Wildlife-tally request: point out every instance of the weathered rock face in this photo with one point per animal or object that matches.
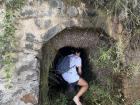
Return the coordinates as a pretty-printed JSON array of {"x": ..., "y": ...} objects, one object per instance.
[
  {"x": 39, "y": 21},
  {"x": 2, "y": 14},
  {"x": 25, "y": 82},
  {"x": 131, "y": 86}
]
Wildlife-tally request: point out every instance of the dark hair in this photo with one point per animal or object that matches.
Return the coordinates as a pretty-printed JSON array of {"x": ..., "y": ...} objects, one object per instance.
[
  {"x": 72, "y": 51},
  {"x": 77, "y": 50}
]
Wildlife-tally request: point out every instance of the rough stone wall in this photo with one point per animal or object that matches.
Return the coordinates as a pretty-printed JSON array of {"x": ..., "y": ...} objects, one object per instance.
[
  {"x": 39, "y": 21},
  {"x": 83, "y": 38},
  {"x": 2, "y": 11},
  {"x": 131, "y": 86},
  {"x": 2, "y": 78}
]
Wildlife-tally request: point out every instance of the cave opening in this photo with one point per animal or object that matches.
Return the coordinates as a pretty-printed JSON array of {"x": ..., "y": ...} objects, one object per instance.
[
  {"x": 56, "y": 83},
  {"x": 89, "y": 41}
]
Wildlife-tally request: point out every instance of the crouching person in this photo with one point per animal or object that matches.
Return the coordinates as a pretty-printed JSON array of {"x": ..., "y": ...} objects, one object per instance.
[{"x": 73, "y": 75}]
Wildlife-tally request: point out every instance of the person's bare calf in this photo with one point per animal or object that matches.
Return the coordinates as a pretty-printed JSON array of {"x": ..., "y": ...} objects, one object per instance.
[{"x": 83, "y": 89}]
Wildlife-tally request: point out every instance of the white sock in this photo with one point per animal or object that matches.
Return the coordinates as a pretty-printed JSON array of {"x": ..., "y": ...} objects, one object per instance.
[{"x": 76, "y": 100}]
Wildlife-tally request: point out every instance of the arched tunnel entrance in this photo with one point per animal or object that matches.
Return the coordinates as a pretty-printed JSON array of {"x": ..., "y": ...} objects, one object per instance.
[
  {"x": 89, "y": 41},
  {"x": 56, "y": 83}
]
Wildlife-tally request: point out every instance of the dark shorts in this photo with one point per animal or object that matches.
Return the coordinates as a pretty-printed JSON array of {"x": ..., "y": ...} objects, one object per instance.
[{"x": 72, "y": 86}]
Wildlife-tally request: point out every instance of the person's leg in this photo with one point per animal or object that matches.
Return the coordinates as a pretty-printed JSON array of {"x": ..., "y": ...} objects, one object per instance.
[{"x": 83, "y": 89}]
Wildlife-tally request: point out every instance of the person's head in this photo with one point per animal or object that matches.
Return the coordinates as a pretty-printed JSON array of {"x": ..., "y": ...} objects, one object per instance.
[{"x": 77, "y": 51}]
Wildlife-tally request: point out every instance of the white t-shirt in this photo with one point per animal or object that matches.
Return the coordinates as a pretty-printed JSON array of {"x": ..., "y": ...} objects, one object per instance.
[{"x": 71, "y": 75}]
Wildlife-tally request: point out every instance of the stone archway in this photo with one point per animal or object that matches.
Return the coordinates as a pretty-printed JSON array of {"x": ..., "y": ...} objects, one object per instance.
[{"x": 86, "y": 39}]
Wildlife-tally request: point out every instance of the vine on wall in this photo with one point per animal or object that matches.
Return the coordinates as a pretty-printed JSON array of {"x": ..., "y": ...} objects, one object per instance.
[{"x": 7, "y": 39}]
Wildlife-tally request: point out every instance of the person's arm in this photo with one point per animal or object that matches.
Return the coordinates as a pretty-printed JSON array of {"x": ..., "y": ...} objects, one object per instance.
[
  {"x": 79, "y": 65},
  {"x": 80, "y": 70}
]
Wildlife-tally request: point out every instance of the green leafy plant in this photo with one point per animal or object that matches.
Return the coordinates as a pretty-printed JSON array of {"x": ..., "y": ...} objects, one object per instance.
[
  {"x": 58, "y": 100},
  {"x": 14, "y": 4},
  {"x": 8, "y": 40},
  {"x": 137, "y": 102},
  {"x": 97, "y": 95},
  {"x": 72, "y": 2},
  {"x": 7, "y": 45},
  {"x": 105, "y": 58}
]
